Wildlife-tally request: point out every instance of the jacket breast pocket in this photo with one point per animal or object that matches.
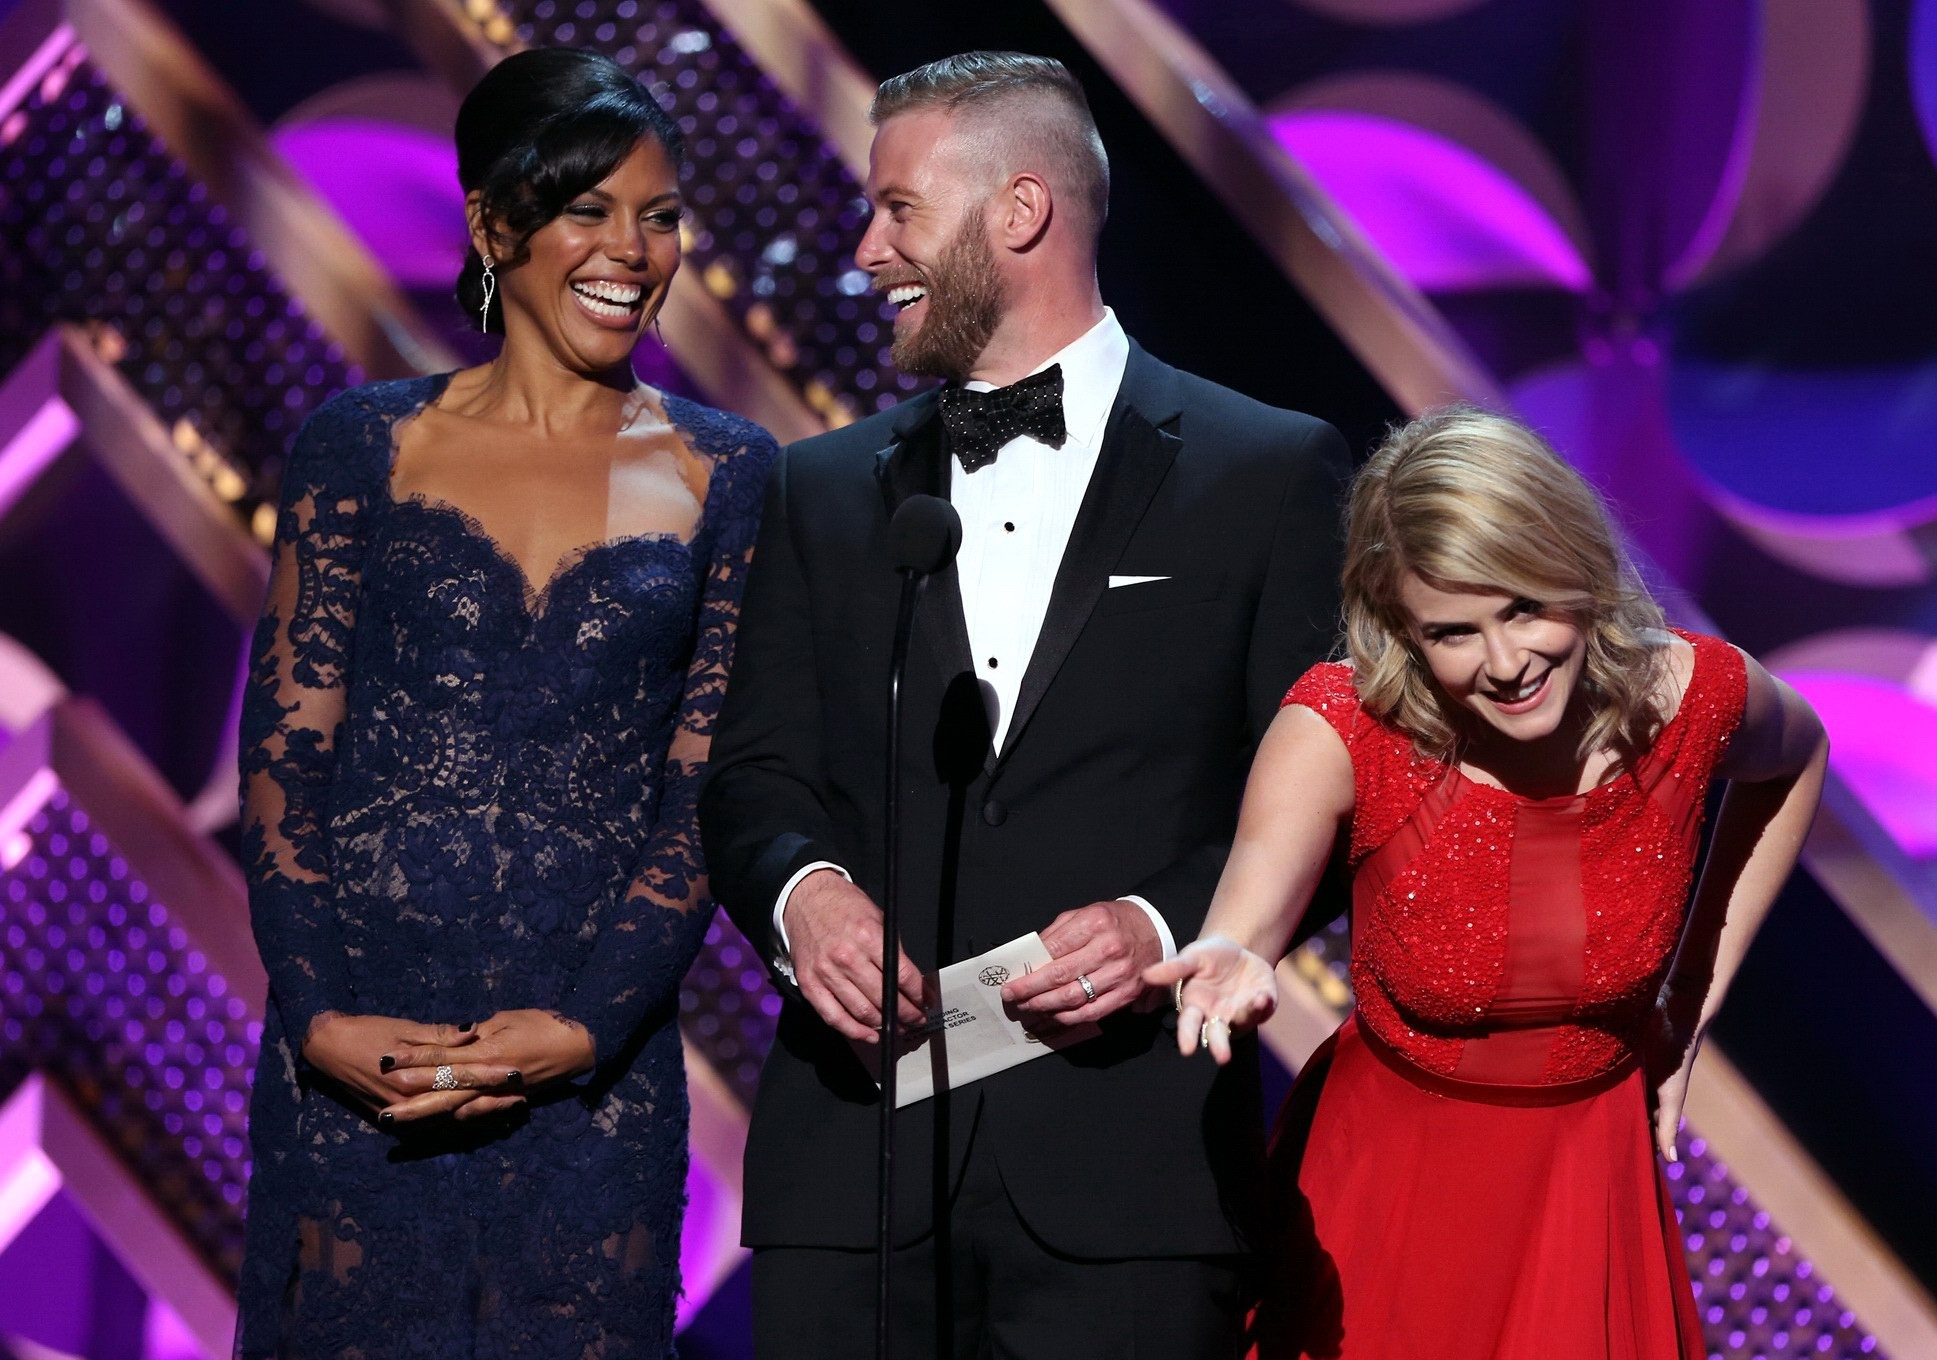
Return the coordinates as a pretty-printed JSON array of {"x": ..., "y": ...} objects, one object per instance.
[{"x": 1171, "y": 592}]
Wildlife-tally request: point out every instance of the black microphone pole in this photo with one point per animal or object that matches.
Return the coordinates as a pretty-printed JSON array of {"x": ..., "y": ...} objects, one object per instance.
[{"x": 922, "y": 538}]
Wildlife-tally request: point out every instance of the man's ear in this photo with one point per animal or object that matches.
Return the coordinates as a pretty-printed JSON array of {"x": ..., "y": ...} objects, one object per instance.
[{"x": 1026, "y": 207}]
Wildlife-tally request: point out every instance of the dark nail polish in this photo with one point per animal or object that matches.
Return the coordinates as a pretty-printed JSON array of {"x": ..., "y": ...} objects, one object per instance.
[
  {"x": 386, "y": 1119},
  {"x": 514, "y": 1078},
  {"x": 385, "y": 1063},
  {"x": 467, "y": 1027}
]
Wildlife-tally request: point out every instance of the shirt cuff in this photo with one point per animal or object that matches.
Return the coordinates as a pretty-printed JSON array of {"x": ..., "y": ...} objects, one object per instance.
[
  {"x": 1156, "y": 919},
  {"x": 783, "y": 959}
]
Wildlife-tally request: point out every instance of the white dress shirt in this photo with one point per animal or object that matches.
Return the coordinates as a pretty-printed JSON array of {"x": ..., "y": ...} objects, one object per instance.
[{"x": 1017, "y": 513}]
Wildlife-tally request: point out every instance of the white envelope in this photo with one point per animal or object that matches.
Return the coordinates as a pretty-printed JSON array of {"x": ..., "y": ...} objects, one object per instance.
[{"x": 967, "y": 1036}]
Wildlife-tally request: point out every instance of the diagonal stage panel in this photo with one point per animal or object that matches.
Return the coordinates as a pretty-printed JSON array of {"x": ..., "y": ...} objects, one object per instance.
[
  {"x": 63, "y": 399},
  {"x": 1396, "y": 333},
  {"x": 102, "y": 225},
  {"x": 127, "y": 972},
  {"x": 189, "y": 109},
  {"x": 47, "y": 1148},
  {"x": 1891, "y": 898}
]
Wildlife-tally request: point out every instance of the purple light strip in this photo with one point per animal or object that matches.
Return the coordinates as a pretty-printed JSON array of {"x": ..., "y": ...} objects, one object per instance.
[
  {"x": 47, "y": 434},
  {"x": 30, "y": 72}
]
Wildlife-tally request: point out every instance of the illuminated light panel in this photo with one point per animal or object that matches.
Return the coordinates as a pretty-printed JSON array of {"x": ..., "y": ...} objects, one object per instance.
[
  {"x": 1448, "y": 219},
  {"x": 104, "y": 227},
  {"x": 47, "y": 1147},
  {"x": 1885, "y": 738},
  {"x": 103, "y": 987}
]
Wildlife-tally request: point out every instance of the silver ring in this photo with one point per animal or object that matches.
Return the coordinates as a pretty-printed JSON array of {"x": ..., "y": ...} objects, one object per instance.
[
  {"x": 1204, "y": 1029},
  {"x": 1083, "y": 981},
  {"x": 445, "y": 1079}
]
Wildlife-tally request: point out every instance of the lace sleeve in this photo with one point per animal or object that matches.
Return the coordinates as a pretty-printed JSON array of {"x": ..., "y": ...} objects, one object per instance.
[
  {"x": 292, "y": 716},
  {"x": 635, "y": 968}
]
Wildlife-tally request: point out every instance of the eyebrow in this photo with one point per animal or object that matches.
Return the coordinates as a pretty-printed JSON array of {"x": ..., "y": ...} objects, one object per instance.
[
  {"x": 888, "y": 191},
  {"x": 671, "y": 195},
  {"x": 1504, "y": 611}
]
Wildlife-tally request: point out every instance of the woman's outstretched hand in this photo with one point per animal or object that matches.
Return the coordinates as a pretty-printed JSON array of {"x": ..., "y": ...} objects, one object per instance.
[
  {"x": 349, "y": 1050},
  {"x": 503, "y": 1058},
  {"x": 1219, "y": 987}
]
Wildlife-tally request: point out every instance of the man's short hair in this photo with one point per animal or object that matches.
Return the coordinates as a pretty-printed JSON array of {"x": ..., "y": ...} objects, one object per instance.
[{"x": 1050, "y": 114}]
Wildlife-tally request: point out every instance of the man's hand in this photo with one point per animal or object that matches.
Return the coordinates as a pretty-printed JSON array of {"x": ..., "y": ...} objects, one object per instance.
[
  {"x": 1107, "y": 943},
  {"x": 834, "y": 936},
  {"x": 349, "y": 1050},
  {"x": 506, "y": 1056}
]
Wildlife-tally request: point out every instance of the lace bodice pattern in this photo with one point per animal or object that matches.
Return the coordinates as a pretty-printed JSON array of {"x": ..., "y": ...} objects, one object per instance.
[
  {"x": 464, "y": 793},
  {"x": 1521, "y": 941}
]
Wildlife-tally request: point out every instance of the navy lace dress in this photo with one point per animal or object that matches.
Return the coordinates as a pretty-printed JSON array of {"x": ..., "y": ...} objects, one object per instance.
[{"x": 463, "y": 794}]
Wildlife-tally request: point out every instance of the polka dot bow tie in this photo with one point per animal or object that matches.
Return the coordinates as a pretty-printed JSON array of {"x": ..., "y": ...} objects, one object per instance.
[{"x": 978, "y": 424}]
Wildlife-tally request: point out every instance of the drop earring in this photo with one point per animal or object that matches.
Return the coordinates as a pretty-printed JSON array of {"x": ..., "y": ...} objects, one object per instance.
[{"x": 490, "y": 289}]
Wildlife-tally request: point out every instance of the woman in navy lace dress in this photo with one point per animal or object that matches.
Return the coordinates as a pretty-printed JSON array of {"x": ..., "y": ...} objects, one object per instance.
[{"x": 497, "y": 633}]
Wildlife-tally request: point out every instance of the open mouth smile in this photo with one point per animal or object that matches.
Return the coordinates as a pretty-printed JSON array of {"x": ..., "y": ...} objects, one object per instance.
[
  {"x": 906, "y": 295},
  {"x": 610, "y": 302},
  {"x": 1522, "y": 697}
]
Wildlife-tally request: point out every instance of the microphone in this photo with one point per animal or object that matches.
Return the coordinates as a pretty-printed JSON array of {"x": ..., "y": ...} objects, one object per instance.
[
  {"x": 924, "y": 535},
  {"x": 923, "y": 538}
]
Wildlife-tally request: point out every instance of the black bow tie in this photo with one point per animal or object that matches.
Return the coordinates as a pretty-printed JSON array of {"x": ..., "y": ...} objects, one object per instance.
[{"x": 978, "y": 424}]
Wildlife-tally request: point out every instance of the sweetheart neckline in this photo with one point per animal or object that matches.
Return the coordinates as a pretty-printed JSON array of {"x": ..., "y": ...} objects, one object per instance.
[{"x": 536, "y": 598}]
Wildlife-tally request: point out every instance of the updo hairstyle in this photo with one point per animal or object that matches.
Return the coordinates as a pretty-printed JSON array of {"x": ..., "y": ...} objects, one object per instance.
[
  {"x": 540, "y": 128},
  {"x": 1473, "y": 501}
]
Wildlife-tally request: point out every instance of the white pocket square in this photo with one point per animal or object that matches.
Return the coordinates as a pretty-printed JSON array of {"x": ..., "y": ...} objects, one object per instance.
[{"x": 1116, "y": 581}]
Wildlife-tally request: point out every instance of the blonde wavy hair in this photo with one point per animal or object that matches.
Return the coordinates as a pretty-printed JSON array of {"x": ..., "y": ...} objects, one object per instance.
[{"x": 1474, "y": 501}]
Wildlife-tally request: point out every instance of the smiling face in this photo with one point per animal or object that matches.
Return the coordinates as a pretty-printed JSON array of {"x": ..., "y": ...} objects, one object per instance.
[
  {"x": 928, "y": 246},
  {"x": 595, "y": 276},
  {"x": 1504, "y": 659}
]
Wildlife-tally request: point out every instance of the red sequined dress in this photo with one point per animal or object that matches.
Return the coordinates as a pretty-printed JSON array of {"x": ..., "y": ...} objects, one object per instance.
[{"x": 1466, "y": 1171}]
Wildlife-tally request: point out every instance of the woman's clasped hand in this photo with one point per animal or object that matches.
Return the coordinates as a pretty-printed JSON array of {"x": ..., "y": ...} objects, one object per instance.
[{"x": 398, "y": 1068}]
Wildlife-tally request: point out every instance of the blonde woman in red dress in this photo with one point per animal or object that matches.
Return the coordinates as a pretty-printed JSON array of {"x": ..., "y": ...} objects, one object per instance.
[{"x": 1516, "y": 756}]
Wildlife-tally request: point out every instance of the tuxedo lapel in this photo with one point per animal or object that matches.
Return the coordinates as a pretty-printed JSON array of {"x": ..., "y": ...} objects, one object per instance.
[
  {"x": 1139, "y": 445},
  {"x": 912, "y": 465}
]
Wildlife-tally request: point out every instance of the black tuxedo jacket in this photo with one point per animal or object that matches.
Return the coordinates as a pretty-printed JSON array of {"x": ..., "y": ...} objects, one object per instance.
[{"x": 1126, "y": 756}]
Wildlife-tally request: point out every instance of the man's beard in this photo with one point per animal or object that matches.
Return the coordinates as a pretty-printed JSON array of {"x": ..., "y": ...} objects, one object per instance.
[{"x": 965, "y": 305}]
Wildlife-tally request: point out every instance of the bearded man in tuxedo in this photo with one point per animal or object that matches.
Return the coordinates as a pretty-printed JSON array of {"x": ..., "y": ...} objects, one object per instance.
[{"x": 1148, "y": 560}]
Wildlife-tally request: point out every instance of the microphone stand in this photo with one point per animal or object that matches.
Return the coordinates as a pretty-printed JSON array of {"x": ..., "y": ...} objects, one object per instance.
[{"x": 911, "y": 584}]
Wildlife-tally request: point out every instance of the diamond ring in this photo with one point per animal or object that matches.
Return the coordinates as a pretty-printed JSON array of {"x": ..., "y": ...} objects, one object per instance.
[
  {"x": 445, "y": 1079},
  {"x": 1089, "y": 989}
]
